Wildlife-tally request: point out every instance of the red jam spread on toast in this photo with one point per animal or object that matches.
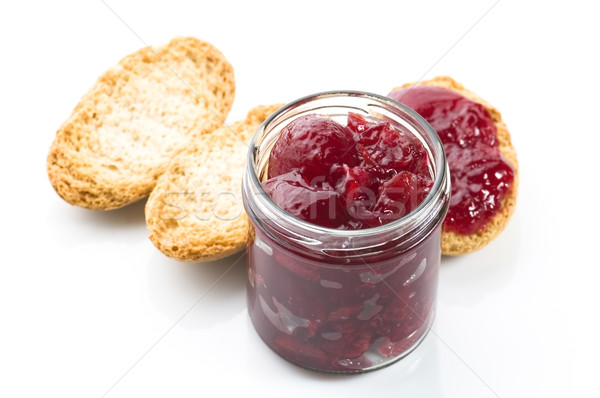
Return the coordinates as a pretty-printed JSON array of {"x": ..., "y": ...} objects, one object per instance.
[{"x": 480, "y": 176}]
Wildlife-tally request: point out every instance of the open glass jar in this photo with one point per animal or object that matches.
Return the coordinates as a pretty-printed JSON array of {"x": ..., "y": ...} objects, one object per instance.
[{"x": 334, "y": 300}]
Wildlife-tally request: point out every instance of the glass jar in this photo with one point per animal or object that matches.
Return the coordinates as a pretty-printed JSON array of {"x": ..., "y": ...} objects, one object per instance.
[{"x": 343, "y": 301}]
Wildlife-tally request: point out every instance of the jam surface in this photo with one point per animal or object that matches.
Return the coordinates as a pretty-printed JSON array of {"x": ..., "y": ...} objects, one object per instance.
[
  {"x": 480, "y": 176},
  {"x": 361, "y": 175}
]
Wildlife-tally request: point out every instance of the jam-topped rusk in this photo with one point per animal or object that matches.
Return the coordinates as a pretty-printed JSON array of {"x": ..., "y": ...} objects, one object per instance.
[{"x": 482, "y": 161}]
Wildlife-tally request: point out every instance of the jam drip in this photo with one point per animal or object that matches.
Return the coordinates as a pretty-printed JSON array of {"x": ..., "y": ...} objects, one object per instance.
[
  {"x": 361, "y": 175},
  {"x": 480, "y": 176}
]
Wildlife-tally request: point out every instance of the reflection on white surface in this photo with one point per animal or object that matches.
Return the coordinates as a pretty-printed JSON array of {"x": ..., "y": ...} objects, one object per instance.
[
  {"x": 416, "y": 375},
  {"x": 467, "y": 280},
  {"x": 210, "y": 302},
  {"x": 79, "y": 227}
]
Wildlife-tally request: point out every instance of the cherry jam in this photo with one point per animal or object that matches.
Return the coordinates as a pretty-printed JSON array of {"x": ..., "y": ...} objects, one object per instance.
[
  {"x": 361, "y": 175},
  {"x": 340, "y": 295},
  {"x": 480, "y": 175}
]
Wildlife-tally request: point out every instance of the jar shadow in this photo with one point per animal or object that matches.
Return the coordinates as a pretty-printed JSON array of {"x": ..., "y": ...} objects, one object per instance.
[
  {"x": 76, "y": 226},
  {"x": 204, "y": 294},
  {"x": 466, "y": 280}
]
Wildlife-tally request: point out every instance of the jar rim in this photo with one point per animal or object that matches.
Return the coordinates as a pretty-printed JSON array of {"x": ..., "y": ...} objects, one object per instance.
[{"x": 441, "y": 172}]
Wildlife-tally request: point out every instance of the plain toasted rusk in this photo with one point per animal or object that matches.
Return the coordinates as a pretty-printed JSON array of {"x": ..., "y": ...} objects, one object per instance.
[
  {"x": 195, "y": 213},
  {"x": 455, "y": 244},
  {"x": 135, "y": 119}
]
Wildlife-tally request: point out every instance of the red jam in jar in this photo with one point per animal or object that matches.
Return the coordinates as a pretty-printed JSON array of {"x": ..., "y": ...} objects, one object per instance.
[
  {"x": 480, "y": 175},
  {"x": 361, "y": 175},
  {"x": 333, "y": 285}
]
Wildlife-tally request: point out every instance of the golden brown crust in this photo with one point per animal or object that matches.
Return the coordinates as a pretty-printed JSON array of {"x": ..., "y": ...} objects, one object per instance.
[
  {"x": 137, "y": 116},
  {"x": 455, "y": 244},
  {"x": 195, "y": 213}
]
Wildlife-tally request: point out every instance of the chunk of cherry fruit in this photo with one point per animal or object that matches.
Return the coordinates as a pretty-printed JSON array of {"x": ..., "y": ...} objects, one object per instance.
[{"x": 361, "y": 175}]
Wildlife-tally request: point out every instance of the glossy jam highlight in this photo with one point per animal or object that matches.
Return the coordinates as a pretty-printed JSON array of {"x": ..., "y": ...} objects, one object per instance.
[{"x": 480, "y": 176}]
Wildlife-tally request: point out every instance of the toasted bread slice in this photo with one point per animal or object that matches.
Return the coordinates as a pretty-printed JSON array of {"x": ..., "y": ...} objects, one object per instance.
[
  {"x": 195, "y": 213},
  {"x": 454, "y": 243},
  {"x": 135, "y": 119}
]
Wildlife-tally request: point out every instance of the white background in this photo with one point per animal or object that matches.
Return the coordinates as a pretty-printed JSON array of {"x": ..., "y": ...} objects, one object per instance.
[{"x": 89, "y": 308}]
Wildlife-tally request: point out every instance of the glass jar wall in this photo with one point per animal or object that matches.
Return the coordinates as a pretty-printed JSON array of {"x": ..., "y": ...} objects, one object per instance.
[{"x": 343, "y": 300}]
